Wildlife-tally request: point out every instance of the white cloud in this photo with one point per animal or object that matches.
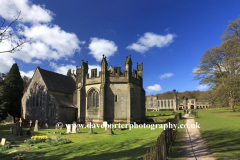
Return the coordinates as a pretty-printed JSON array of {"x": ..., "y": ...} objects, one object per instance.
[
  {"x": 62, "y": 69},
  {"x": 28, "y": 74},
  {"x": 154, "y": 88},
  {"x": 201, "y": 87},
  {"x": 73, "y": 61},
  {"x": 48, "y": 41},
  {"x": 166, "y": 75},
  {"x": 98, "y": 47},
  {"x": 151, "y": 40},
  {"x": 29, "y": 12},
  {"x": 6, "y": 62}
]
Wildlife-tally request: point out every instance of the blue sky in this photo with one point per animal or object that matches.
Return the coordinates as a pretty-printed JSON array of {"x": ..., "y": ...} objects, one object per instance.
[{"x": 169, "y": 37}]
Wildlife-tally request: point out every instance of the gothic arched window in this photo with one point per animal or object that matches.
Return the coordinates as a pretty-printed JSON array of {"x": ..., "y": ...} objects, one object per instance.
[
  {"x": 36, "y": 92},
  {"x": 93, "y": 99}
]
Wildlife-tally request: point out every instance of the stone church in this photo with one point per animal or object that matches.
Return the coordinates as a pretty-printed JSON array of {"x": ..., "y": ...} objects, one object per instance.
[{"x": 113, "y": 96}]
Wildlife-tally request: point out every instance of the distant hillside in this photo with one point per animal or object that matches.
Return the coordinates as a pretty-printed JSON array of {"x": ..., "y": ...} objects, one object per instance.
[{"x": 200, "y": 95}]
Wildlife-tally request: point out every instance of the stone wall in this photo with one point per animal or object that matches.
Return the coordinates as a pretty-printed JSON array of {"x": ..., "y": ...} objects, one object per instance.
[
  {"x": 67, "y": 115},
  {"x": 30, "y": 111}
]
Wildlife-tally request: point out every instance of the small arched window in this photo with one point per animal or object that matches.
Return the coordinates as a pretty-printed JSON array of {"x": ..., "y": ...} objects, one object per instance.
[{"x": 93, "y": 99}]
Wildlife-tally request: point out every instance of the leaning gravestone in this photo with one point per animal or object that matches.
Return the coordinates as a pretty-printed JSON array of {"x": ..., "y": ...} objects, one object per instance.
[
  {"x": 69, "y": 128},
  {"x": 17, "y": 128},
  {"x": 11, "y": 130},
  {"x": 3, "y": 141},
  {"x": 36, "y": 126}
]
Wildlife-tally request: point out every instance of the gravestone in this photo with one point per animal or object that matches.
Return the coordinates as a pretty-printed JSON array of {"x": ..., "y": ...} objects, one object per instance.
[
  {"x": 91, "y": 130},
  {"x": 3, "y": 141},
  {"x": 56, "y": 127},
  {"x": 28, "y": 133},
  {"x": 5, "y": 122},
  {"x": 105, "y": 124},
  {"x": 17, "y": 128},
  {"x": 11, "y": 130},
  {"x": 46, "y": 125},
  {"x": 30, "y": 127},
  {"x": 40, "y": 123},
  {"x": 20, "y": 121},
  {"x": 74, "y": 128},
  {"x": 36, "y": 126},
  {"x": 110, "y": 132},
  {"x": 68, "y": 128}
]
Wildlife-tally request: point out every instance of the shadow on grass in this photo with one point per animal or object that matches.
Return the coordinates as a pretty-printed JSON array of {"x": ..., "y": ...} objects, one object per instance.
[
  {"x": 98, "y": 155},
  {"x": 219, "y": 141}
]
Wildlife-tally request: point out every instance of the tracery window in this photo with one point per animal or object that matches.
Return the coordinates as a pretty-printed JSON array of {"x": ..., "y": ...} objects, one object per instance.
[
  {"x": 93, "y": 99},
  {"x": 36, "y": 94}
]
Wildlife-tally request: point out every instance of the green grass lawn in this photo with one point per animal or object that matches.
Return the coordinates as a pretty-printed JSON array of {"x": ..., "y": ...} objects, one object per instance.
[
  {"x": 123, "y": 145},
  {"x": 160, "y": 114},
  {"x": 177, "y": 151},
  {"x": 220, "y": 130}
]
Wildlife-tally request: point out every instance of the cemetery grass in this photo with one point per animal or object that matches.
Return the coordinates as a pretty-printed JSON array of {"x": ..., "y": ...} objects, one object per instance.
[
  {"x": 220, "y": 130},
  {"x": 123, "y": 145}
]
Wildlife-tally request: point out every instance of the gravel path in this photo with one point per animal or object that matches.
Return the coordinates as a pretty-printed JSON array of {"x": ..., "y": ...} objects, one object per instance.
[{"x": 195, "y": 147}]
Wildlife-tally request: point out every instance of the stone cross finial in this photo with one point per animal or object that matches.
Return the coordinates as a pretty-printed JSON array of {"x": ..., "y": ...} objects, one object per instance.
[
  {"x": 20, "y": 122},
  {"x": 103, "y": 55},
  {"x": 126, "y": 57}
]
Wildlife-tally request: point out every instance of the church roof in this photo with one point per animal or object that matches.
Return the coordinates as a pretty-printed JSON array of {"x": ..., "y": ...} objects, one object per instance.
[
  {"x": 58, "y": 82},
  {"x": 63, "y": 100}
]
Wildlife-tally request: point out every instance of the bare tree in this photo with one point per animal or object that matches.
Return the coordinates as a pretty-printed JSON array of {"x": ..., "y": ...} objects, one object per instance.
[{"x": 6, "y": 33}]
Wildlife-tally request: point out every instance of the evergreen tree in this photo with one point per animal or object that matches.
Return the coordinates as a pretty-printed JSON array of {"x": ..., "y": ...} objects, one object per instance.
[
  {"x": 4, "y": 101},
  {"x": 69, "y": 73},
  {"x": 14, "y": 82}
]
